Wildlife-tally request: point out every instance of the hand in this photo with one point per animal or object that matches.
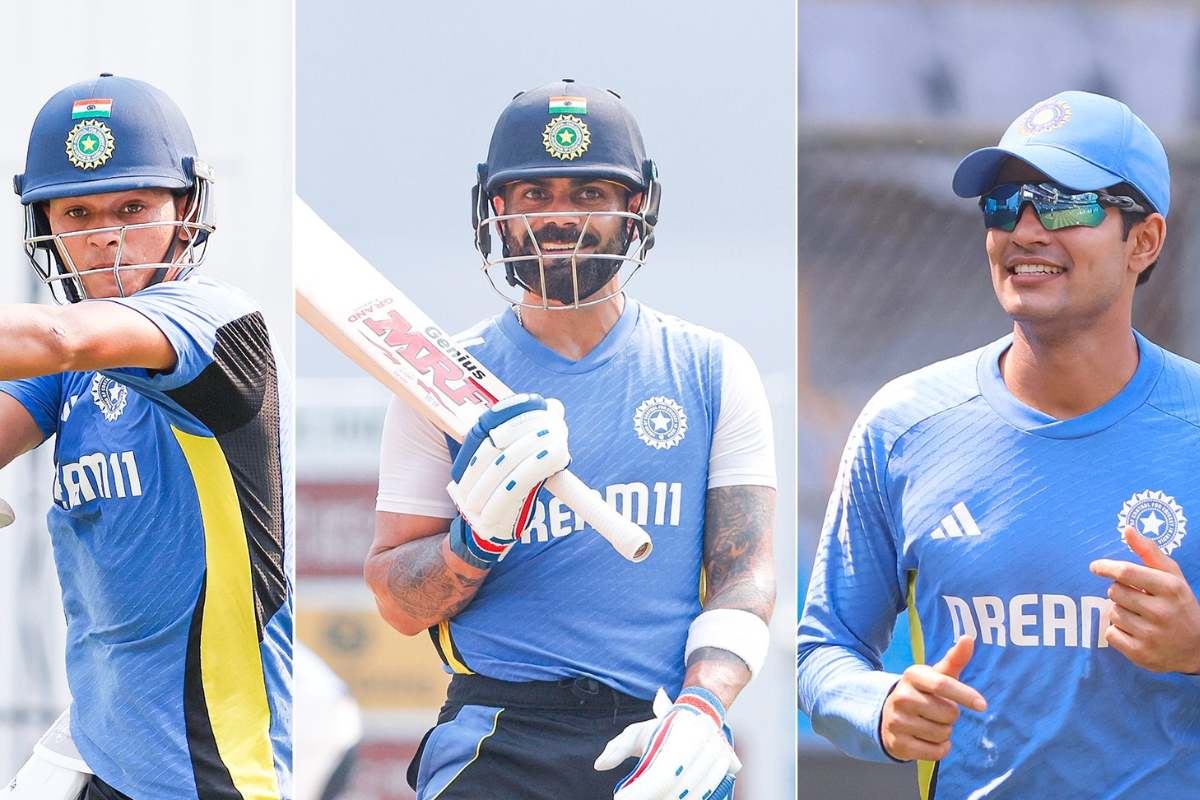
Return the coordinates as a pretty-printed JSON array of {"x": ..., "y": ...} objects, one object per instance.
[
  {"x": 505, "y": 458},
  {"x": 685, "y": 749},
  {"x": 6, "y": 514},
  {"x": 1155, "y": 617},
  {"x": 920, "y": 713}
]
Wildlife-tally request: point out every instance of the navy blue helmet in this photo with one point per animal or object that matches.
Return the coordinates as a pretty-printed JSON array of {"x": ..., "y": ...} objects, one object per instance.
[
  {"x": 565, "y": 129},
  {"x": 110, "y": 134}
]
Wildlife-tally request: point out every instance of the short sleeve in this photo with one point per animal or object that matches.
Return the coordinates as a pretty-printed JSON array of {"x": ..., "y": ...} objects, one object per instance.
[
  {"x": 414, "y": 465},
  {"x": 42, "y": 398},
  {"x": 743, "y": 448},
  {"x": 190, "y": 313}
]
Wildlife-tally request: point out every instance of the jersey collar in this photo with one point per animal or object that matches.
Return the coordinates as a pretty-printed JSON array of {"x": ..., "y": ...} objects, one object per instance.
[
  {"x": 553, "y": 361},
  {"x": 1019, "y": 415}
]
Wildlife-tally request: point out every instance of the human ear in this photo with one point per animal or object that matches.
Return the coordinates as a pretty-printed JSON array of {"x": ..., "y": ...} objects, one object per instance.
[{"x": 1146, "y": 242}]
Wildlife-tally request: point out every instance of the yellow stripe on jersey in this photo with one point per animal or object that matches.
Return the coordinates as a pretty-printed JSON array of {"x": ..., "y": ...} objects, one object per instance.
[
  {"x": 924, "y": 768},
  {"x": 478, "y": 747},
  {"x": 230, "y": 659},
  {"x": 448, "y": 649}
]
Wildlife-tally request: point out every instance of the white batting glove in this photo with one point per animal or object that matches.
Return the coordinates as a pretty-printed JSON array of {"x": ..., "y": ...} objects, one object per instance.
[
  {"x": 6, "y": 514},
  {"x": 506, "y": 457},
  {"x": 55, "y": 771},
  {"x": 684, "y": 752}
]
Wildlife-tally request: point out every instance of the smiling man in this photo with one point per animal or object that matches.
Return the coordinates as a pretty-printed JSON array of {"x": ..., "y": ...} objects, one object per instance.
[
  {"x": 1028, "y": 504},
  {"x": 172, "y": 501},
  {"x": 556, "y": 644}
]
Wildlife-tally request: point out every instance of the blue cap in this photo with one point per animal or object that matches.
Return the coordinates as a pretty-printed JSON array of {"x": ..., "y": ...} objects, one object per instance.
[
  {"x": 110, "y": 134},
  {"x": 567, "y": 129},
  {"x": 1081, "y": 140}
]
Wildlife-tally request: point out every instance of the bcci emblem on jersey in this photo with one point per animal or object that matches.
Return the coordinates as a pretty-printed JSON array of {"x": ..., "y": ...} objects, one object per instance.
[
  {"x": 109, "y": 395},
  {"x": 1155, "y": 516},
  {"x": 660, "y": 422}
]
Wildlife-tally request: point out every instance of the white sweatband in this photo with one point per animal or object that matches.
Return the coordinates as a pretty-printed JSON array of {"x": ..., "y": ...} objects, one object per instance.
[{"x": 731, "y": 630}]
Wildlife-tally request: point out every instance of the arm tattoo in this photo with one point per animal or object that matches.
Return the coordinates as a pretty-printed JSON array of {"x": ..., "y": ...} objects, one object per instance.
[
  {"x": 739, "y": 570},
  {"x": 738, "y": 558},
  {"x": 424, "y": 586}
]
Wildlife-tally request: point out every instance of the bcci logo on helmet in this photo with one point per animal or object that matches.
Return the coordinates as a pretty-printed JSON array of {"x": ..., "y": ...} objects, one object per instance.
[
  {"x": 1155, "y": 516},
  {"x": 110, "y": 396},
  {"x": 89, "y": 144},
  {"x": 660, "y": 422},
  {"x": 566, "y": 137}
]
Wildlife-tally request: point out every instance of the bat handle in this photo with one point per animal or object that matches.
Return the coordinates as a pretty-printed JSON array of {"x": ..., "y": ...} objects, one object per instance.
[
  {"x": 724, "y": 790},
  {"x": 629, "y": 540}
]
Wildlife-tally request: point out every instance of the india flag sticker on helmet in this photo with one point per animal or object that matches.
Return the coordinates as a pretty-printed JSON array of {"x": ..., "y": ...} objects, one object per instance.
[
  {"x": 94, "y": 107},
  {"x": 568, "y": 105}
]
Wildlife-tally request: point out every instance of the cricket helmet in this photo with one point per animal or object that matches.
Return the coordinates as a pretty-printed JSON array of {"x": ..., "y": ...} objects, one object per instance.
[
  {"x": 111, "y": 134},
  {"x": 564, "y": 129}
]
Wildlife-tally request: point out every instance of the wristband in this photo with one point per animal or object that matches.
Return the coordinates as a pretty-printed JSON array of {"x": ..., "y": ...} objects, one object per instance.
[
  {"x": 731, "y": 630},
  {"x": 467, "y": 545}
]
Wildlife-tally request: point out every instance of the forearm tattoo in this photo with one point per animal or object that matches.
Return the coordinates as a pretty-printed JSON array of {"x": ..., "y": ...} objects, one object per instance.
[
  {"x": 424, "y": 586},
  {"x": 738, "y": 558}
]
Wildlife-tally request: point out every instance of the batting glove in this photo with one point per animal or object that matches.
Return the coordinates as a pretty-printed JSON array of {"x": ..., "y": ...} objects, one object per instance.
[
  {"x": 55, "y": 771},
  {"x": 685, "y": 752},
  {"x": 506, "y": 457},
  {"x": 6, "y": 514}
]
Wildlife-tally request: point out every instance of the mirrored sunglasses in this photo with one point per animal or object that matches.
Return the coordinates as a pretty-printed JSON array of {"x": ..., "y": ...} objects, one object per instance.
[{"x": 1056, "y": 206}]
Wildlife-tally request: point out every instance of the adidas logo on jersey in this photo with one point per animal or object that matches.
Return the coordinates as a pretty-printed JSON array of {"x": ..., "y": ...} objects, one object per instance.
[{"x": 957, "y": 523}]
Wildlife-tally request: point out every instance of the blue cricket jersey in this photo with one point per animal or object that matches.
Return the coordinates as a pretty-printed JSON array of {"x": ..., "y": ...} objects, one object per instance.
[
  {"x": 171, "y": 526},
  {"x": 562, "y": 603},
  {"x": 980, "y": 515}
]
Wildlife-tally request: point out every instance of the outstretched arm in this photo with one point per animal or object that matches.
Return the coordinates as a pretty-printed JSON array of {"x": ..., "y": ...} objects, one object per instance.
[
  {"x": 43, "y": 340},
  {"x": 20, "y": 433}
]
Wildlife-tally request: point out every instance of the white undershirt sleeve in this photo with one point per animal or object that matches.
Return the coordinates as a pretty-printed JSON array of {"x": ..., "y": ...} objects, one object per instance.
[
  {"x": 743, "y": 446},
  {"x": 414, "y": 465}
]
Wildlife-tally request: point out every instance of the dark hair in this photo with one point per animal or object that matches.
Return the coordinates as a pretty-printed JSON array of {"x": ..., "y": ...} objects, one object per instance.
[{"x": 1131, "y": 218}]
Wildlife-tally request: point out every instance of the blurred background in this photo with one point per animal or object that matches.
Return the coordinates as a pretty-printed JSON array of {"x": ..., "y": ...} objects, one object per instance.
[
  {"x": 893, "y": 275},
  {"x": 394, "y": 108},
  {"x": 227, "y": 64}
]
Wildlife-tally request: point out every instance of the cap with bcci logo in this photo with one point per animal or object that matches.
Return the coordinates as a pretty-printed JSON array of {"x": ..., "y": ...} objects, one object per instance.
[
  {"x": 1081, "y": 140},
  {"x": 109, "y": 134}
]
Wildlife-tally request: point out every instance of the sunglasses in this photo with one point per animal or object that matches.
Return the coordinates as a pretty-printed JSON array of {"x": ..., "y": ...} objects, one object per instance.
[{"x": 1056, "y": 206}]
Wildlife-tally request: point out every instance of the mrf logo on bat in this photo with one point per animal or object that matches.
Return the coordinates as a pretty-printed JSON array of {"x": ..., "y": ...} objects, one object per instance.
[{"x": 430, "y": 352}]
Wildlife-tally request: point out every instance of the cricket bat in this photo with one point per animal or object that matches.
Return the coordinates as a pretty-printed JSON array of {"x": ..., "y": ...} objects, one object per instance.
[{"x": 377, "y": 327}]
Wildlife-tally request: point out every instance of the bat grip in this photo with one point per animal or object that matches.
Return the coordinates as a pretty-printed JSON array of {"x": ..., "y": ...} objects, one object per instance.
[
  {"x": 724, "y": 790},
  {"x": 628, "y": 539}
]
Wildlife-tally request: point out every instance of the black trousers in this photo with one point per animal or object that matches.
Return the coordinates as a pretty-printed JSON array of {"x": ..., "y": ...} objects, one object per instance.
[
  {"x": 99, "y": 790},
  {"x": 524, "y": 741}
]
